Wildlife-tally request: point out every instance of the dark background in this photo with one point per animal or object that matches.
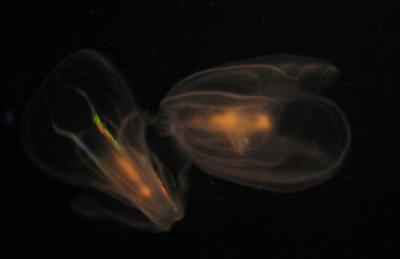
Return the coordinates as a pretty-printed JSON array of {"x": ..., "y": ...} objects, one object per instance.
[{"x": 157, "y": 43}]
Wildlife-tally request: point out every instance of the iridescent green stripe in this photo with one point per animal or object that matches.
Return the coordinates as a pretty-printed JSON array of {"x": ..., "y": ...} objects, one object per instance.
[{"x": 105, "y": 132}]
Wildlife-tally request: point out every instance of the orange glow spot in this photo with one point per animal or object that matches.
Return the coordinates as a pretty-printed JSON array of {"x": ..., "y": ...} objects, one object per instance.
[
  {"x": 145, "y": 192},
  {"x": 226, "y": 120},
  {"x": 263, "y": 122},
  {"x": 238, "y": 121},
  {"x": 237, "y": 125},
  {"x": 127, "y": 166}
]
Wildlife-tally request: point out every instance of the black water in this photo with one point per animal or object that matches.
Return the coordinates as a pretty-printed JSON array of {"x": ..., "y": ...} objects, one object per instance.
[{"x": 155, "y": 44}]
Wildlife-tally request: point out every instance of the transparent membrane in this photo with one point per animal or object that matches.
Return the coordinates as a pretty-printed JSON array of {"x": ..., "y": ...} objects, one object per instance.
[
  {"x": 83, "y": 127},
  {"x": 260, "y": 122}
]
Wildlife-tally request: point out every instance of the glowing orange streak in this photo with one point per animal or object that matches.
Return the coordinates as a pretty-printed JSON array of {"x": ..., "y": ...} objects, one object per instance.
[
  {"x": 132, "y": 175},
  {"x": 131, "y": 171},
  {"x": 235, "y": 124},
  {"x": 232, "y": 121}
]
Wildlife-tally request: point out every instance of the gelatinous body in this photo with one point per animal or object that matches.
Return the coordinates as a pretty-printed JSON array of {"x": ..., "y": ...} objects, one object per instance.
[
  {"x": 261, "y": 122},
  {"x": 83, "y": 127}
]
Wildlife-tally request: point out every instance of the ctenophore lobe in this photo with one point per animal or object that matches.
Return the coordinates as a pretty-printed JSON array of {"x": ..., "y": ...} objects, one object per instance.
[
  {"x": 261, "y": 122},
  {"x": 83, "y": 127}
]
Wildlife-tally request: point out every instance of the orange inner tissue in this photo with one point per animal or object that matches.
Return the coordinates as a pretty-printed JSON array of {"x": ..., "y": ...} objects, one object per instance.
[
  {"x": 236, "y": 125},
  {"x": 130, "y": 174},
  {"x": 133, "y": 175}
]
